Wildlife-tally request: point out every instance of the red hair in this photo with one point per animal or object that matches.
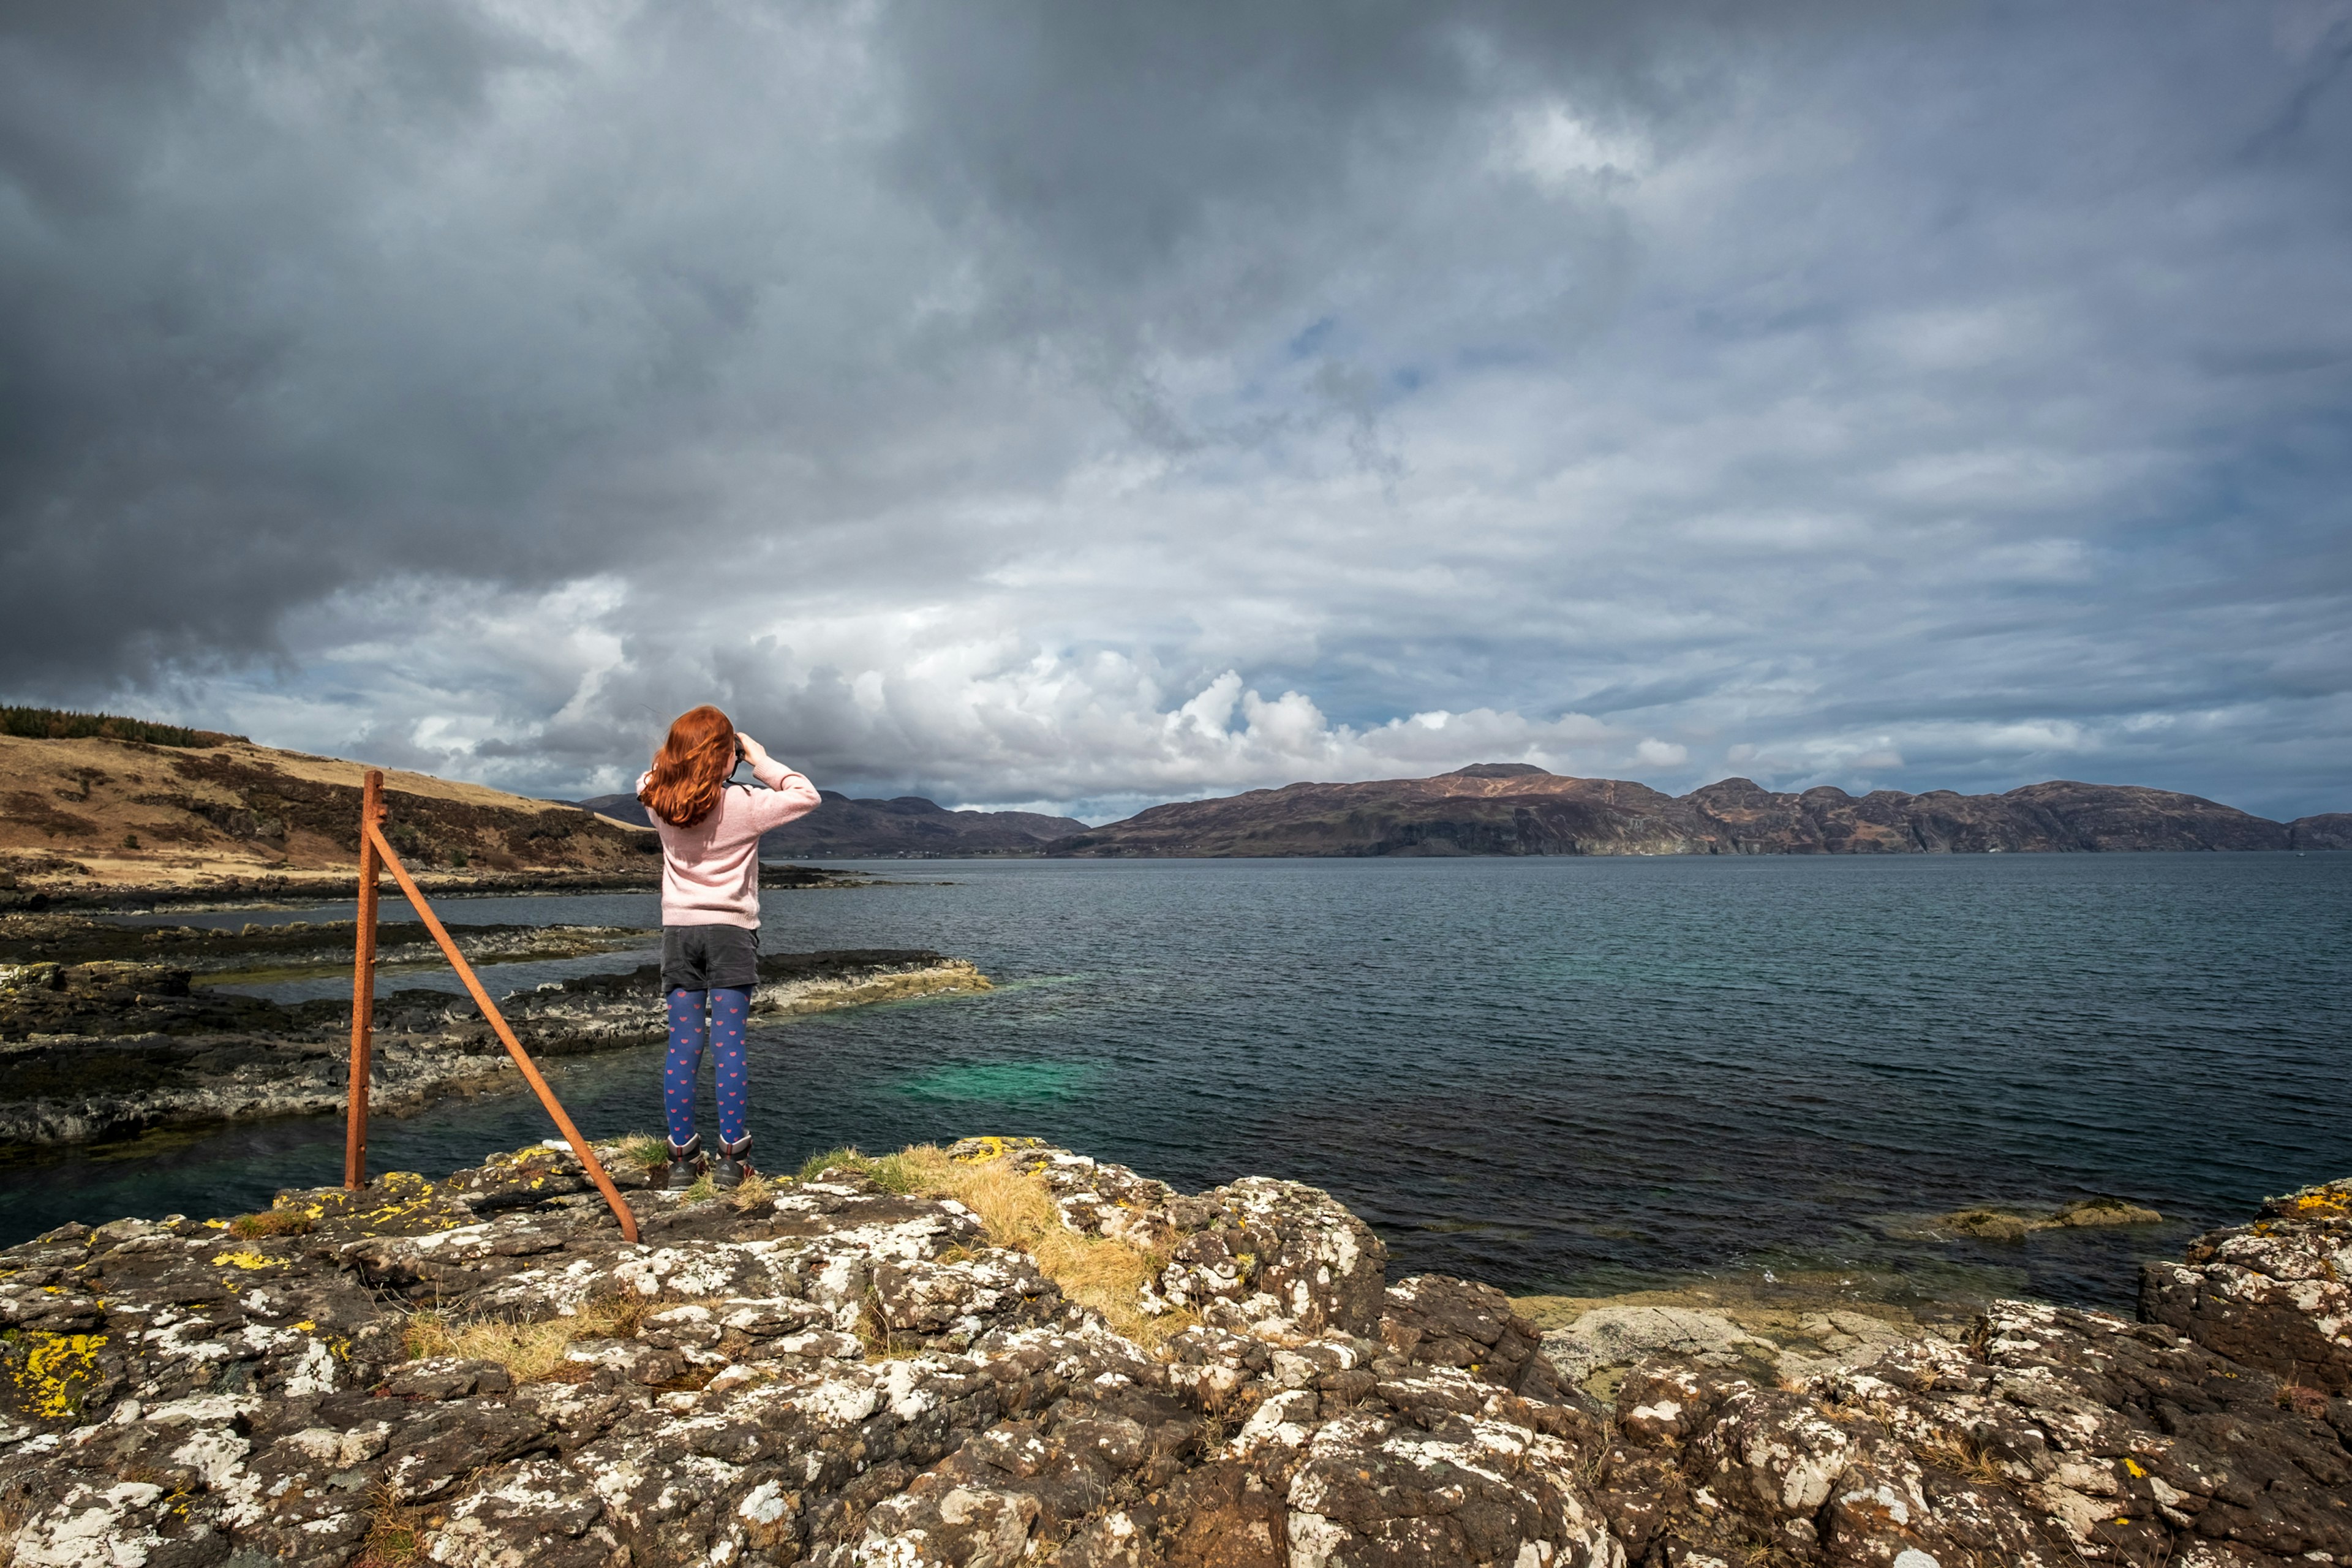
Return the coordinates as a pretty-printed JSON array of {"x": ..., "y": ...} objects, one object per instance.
[{"x": 691, "y": 767}]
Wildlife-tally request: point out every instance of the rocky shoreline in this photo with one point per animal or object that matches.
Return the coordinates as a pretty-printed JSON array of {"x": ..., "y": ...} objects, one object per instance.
[
  {"x": 292, "y": 946},
  {"x": 99, "y": 1047},
  {"x": 1003, "y": 1353},
  {"x": 71, "y": 893}
]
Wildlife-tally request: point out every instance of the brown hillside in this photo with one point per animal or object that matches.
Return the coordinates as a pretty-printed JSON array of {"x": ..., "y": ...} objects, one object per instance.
[
  {"x": 2330, "y": 830},
  {"x": 1512, "y": 808},
  {"x": 93, "y": 815}
]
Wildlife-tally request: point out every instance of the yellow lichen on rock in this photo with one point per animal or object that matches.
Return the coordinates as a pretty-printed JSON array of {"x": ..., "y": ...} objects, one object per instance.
[
  {"x": 57, "y": 1369},
  {"x": 397, "y": 1202},
  {"x": 247, "y": 1260},
  {"x": 988, "y": 1146}
]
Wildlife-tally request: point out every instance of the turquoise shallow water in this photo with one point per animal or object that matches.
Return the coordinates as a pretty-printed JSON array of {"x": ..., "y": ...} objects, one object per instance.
[{"x": 1564, "y": 1074}]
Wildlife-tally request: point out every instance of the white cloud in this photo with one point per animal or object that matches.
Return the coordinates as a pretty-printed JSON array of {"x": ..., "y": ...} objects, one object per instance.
[
  {"x": 981, "y": 411},
  {"x": 1550, "y": 141},
  {"x": 1657, "y": 753}
]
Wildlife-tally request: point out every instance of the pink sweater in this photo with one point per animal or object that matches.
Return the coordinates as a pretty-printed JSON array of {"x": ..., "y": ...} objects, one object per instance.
[{"x": 711, "y": 872}]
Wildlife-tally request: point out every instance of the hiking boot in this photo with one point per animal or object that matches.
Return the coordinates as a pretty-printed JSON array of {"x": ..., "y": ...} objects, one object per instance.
[
  {"x": 686, "y": 1165},
  {"x": 733, "y": 1167}
]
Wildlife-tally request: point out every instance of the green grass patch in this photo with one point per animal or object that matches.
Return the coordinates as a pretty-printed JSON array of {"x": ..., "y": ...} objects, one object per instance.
[
  {"x": 646, "y": 1150},
  {"x": 891, "y": 1173}
]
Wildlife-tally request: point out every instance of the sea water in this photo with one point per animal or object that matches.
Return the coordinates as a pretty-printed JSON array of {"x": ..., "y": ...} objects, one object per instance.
[{"x": 1575, "y": 1075}]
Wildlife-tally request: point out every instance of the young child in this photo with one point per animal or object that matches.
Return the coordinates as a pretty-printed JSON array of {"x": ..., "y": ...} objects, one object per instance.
[{"x": 710, "y": 919}]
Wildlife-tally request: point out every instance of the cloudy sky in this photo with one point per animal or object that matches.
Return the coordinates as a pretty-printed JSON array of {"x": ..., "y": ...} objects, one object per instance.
[{"x": 1092, "y": 405}]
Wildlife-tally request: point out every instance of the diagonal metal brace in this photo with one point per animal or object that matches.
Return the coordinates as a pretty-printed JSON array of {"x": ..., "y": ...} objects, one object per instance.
[{"x": 587, "y": 1156}]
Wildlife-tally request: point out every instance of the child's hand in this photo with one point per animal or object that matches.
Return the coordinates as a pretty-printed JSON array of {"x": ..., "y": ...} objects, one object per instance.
[{"x": 753, "y": 753}]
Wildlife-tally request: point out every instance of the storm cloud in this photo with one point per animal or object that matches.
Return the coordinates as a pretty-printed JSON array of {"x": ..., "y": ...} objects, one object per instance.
[{"x": 1087, "y": 405}]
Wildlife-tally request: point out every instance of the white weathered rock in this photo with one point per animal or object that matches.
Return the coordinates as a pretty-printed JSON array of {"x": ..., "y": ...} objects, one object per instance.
[{"x": 849, "y": 1376}]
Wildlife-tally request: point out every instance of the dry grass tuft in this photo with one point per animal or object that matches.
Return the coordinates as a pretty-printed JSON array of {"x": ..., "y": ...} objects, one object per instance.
[
  {"x": 1017, "y": 1211},
  {"x": 883, "y": 1343},
  {"x": 1965, "y": 1457},
  {"x": 532, "y": 1352},
  {"x": 395, "y": 1535},
  {"x": 271, "y": 1222},
  {"x": 2304, "y": 1400},
  {"x": 755, "y": 1191}
]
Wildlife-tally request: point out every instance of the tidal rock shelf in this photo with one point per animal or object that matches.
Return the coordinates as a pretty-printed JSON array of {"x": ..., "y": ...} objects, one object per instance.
[
  {"x": 318, "y": 947},
  {"x": 110, "y": 1048},
  {"x": 843, "y": 1370}
]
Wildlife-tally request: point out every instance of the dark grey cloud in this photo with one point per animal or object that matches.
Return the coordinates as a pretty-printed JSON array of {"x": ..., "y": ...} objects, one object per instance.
[{"x": 1924, "y": 395}]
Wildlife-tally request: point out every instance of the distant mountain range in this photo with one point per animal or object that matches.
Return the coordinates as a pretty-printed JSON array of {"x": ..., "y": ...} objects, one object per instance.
[
  {"x": 843, "y": 828},
  {"x": 1514, "y": 809}
]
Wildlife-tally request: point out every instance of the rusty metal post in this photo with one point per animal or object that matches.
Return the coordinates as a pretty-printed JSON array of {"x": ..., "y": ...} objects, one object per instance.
[
  {"x": 587, "y": 1156},
  {"x": 364, "y": 985}
]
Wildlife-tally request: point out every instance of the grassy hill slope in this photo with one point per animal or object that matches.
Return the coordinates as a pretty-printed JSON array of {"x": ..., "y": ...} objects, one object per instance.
[{"x": 91, "y": 814}]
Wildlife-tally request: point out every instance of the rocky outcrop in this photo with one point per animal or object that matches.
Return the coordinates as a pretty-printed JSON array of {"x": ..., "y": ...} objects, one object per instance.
[
  {"x": 2048, "y": 1437},
  {"x": 2275, "y": 1294},
  {"x": 104, "y": 1050},
  {"x": 839, "y": 1373},
  {"x": 322, "y": 946},
  {"x": 1513, "y": 808},
  {"x": 2001, "y": 1225}
]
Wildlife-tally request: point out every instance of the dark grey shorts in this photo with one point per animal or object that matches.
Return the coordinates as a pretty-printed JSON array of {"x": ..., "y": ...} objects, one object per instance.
[{"x": 704, "y": 958}]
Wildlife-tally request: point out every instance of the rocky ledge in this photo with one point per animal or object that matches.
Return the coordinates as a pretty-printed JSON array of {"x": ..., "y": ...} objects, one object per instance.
[
  {"x": 110, "y": 1047},
  {"x": 294, "y": 948},
  {"x": 864, "y": 1368}
]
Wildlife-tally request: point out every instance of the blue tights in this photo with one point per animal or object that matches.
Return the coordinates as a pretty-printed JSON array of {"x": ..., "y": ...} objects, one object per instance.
[{"x": 730, "y": 1006}]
